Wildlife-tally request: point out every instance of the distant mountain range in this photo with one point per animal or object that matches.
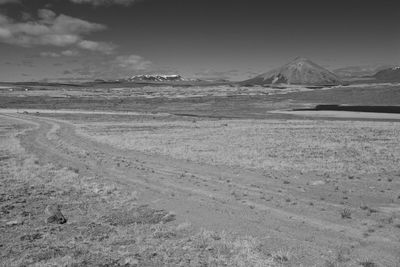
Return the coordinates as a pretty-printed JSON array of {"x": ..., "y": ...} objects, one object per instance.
[
  {"x": 359, "y": 71},
  {"x": 300, "y": 71},
  {"x": 162, "y": 79},
  {"x": 388, "y": 75},
  {"x": 156, "y": 78}
]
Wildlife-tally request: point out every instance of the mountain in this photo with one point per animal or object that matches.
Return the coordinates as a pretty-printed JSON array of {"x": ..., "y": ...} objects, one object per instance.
[
  {"x": 300, "y": 71},
  {"x": 156, "y": 78},
  {"x": 359, "y": 71},
  {"x": 160, "y": 80},
  {"x": 388, "y": 75}
]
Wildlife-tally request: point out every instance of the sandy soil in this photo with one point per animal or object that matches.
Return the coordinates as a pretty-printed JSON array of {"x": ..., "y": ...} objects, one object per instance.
[{"x": 312, "y": 215}]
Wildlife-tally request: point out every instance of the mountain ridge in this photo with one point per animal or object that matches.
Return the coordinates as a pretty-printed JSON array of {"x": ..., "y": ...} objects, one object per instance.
[
  {"x": 388, "y": 75},
  {"x": 156, "y": 78},
  {"x": 300, "y": 71}
]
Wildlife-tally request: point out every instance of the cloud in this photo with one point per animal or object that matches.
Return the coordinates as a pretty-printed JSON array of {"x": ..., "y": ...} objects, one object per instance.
[
  {"x": 51, "y": 29},
  {"x": 25, "y": 16},
  {"x": 105, "y": 48},
  {"x": 67, "y": 72},
  {"x": 27, "y": 63},
  {"x": 46, "y": 15},
  {"x": 215, "y": 75},
  {"x": 131, "y": 63},
  {"x": 108, "y": 67},
  {"x": 70, "y": 53},
  {"x": 49, "y": 54},
  {"x": 66, "y": 53},
  {"x": 105, "y": 2}
]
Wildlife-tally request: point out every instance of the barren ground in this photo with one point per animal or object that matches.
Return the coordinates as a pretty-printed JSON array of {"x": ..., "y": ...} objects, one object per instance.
[
  {"x": 270, "y": 191},
  {"x": 109, "y": 221}
]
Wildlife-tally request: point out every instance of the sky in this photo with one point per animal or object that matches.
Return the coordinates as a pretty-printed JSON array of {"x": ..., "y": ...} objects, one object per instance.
[{"x": 229, "y": 39}]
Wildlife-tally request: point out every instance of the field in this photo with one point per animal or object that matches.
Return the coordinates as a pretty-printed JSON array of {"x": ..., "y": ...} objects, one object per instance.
[
  {"x": 198, "y": 177},
  {"x": 293, "y": 145},
  {"x": 107, "y": 225}
]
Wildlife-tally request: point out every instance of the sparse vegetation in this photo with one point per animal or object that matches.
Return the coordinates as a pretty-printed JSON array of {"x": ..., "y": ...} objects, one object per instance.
[
  {"x": 268, "y": 180},
  {"x": 345, "y": 214},
  {"x": 367, "y": 263},
  {"x": 358, "y": 147},
  {"x": 105, "y": 226},
  {"x": 343, "y": 254}
]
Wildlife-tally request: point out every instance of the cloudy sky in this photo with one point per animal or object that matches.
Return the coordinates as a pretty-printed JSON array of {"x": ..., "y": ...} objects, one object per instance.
[{"x": 85, "y": 39}]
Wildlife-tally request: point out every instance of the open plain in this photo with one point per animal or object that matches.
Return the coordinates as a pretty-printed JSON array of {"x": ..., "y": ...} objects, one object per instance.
[
  {"x": 145, "y": 133},
  {"x": 141, "y": 178}
]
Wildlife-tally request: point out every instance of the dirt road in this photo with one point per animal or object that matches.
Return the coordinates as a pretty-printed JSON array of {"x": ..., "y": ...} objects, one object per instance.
[{"x": 278, "y": 207}]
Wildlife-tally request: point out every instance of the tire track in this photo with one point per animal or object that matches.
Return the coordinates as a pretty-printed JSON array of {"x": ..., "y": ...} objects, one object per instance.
[{"x": 57, "y": 141}]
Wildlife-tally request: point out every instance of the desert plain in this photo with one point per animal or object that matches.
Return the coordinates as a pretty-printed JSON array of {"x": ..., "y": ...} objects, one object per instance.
[{"x": 215, "y": 176}]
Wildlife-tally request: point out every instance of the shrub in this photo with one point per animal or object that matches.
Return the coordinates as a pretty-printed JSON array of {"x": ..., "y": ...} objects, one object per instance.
[{"x": 346, "y": 214}]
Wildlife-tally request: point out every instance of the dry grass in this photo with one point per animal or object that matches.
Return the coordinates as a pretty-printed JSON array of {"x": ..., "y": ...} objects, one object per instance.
[
  {"x": 326, "y": 146},
  {"x": 345, "y": 214},
  {"x": 107, "y": 225},
  {"x": 153, "y": 91}
]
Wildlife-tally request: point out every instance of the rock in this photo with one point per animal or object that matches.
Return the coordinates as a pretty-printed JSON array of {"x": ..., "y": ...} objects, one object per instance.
[
  {"x": 129, "y": 261},
  {"x": 55, "y": 214},
  {"x": 15, "y": 222},
  {"x": 319, "y": 182}
]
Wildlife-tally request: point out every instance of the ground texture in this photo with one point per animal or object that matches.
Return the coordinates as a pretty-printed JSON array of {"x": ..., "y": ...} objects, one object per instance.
[
  {"x": 136, "y": 189},
  {"x": 106, "y": 223}
]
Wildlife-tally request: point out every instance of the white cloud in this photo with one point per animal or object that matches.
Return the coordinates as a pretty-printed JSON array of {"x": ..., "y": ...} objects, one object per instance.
[
  {"x": 52, "y": 30},
  {"x": 70, "y": 53},
  {"x": 46, "y": 14},
  {"x": 65, "y": 53},
  {"x": 105, "y": 48},
  {"x": 25, "y": 16},
  {"x": 4, "y": 33},
  {"x": 105, "y": 2},
  {"x": 214, "y": 74},
  {"x": 49, "y": 54},
  {"x": 131, "y": 63},
  {"x": 107, "y": 67}
]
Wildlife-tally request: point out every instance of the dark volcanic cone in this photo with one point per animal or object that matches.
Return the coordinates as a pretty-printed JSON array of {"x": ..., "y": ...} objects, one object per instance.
[{"x": 300, "y": 71}]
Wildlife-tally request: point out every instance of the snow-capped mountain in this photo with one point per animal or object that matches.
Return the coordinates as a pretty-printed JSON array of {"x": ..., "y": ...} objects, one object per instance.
[
  {"x": 300, "y": 71},
  {"x": 155, "y": 78}
]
